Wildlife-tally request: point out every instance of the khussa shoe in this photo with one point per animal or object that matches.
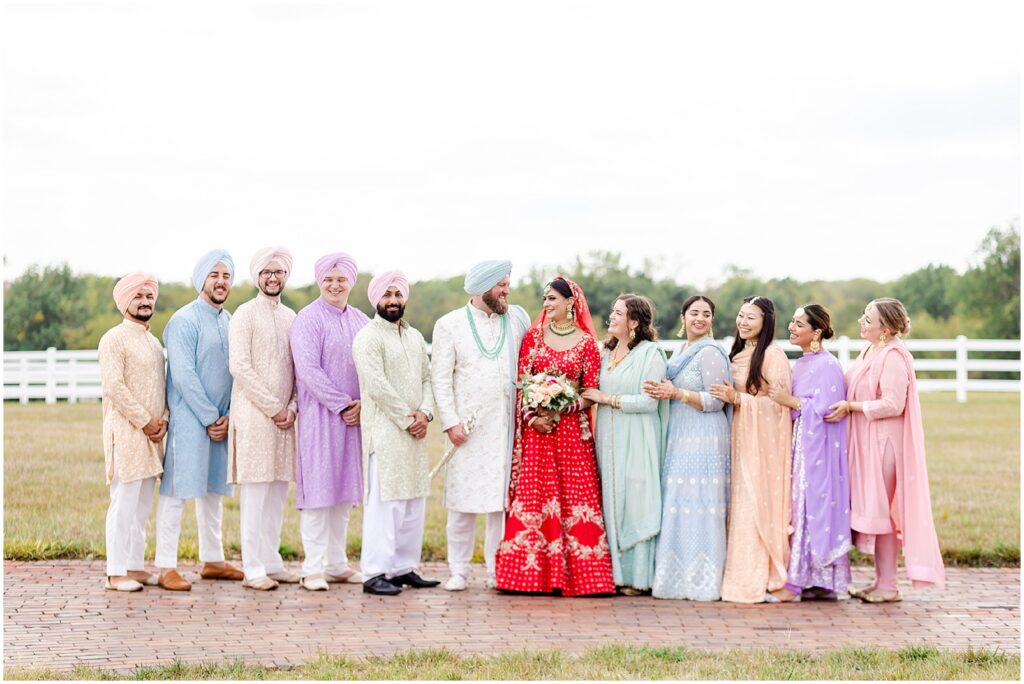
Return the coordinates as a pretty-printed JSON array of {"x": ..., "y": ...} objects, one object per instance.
[
  {"x": 149, "y": 579},
  {"x": 348, "y": 577},
  {"x": 123, "y": 585},
  {"x": 284, "y": 577},
  {"x": 877, "y": 596},
  {"x": 380, "y": 586},
  {"x": 411, "y": 579},
  {"x": 220, "y": 571},
  {"x": 456, "y": 583},
  {"x": 172, "y": 581},
  {"x": 260, "y": 584},
  {"x": 314, "y": 583}
]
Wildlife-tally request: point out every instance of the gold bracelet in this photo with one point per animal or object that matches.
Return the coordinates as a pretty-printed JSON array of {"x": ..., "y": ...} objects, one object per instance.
[
  {"x": 618, "y": 401},
  {"x": 686, "y": 396}
]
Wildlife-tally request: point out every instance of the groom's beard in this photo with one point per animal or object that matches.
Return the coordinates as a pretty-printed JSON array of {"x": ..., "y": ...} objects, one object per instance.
[
  {"x": 392, "y": 313},
  {"x": 498, "y": 305}
]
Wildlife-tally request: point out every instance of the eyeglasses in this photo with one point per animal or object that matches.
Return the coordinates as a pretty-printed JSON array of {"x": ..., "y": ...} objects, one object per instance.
[{"x": 276, "y": 274}]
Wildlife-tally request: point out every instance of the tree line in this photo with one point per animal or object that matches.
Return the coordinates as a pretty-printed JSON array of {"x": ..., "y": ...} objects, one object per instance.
[{"x": 51, "y": 306}]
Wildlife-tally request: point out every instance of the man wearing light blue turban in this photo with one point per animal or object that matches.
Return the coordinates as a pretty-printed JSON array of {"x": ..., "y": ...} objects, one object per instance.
[
  {"x": 198, "y": 396},
  {"x": 475, "y": 353}
]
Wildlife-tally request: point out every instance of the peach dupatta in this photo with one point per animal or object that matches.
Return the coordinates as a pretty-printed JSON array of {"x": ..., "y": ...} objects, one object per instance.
[
  {"x": 757, "y": 548},
  {"x": 911, "y": 506}
]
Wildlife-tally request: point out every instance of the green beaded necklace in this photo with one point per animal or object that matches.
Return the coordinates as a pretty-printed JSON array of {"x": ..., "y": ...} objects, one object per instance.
[{"x": 488, "y": 353}]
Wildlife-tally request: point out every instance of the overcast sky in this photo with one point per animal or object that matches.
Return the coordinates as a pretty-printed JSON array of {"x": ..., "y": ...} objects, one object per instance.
[{"x": 811, "y": 140}]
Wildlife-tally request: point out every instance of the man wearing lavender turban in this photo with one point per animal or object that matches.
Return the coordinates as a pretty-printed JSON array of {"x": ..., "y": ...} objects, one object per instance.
[
  {"x": 330, "y": 480},
  {"x": 394, "y": 375},
  {"x": 198, "y": 394},
  {"x": 134, "y": 425},
  {"x": 475, "y": 354},
  {"x": 261, "y": 435}
]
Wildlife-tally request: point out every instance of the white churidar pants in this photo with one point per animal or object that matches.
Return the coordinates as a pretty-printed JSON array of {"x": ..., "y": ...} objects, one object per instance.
[
  {"x": 261, "y": 507},
  {"x": 461, "y": 535},
  {"x": 392, "y": 532},
  {"x": 324, "y": 537},
  {"x": 209, "y": 513},
  {"x": 126, "y": 523}
]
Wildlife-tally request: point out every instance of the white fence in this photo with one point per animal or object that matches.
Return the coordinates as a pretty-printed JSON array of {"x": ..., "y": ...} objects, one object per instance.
[{"x": 72, "y": 375}]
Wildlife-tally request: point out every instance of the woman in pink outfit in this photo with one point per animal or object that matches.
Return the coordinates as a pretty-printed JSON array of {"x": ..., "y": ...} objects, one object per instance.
[{"x": 890, "y": 500}]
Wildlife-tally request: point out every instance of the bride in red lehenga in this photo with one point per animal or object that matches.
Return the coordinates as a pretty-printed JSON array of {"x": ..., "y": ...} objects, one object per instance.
[{"x": 554, "y": 530}]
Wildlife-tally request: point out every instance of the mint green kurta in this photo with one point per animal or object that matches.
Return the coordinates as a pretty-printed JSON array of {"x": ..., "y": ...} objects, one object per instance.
[{"x": 630, "y": 449}]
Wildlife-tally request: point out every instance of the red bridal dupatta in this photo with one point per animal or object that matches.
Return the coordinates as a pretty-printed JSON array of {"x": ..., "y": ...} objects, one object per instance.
[{"x": 911, "y": 507}]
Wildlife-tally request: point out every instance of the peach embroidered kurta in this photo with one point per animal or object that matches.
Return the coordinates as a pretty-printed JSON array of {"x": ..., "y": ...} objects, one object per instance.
[
  {"x": 264, "y": 383},
  {"x": 890, "y": 427},
  {"x": 757, "y": 546},
  {"x": 132, "y": 375}
]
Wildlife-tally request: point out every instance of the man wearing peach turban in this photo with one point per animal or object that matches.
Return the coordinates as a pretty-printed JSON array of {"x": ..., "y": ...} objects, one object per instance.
[
  {"x": 329, "y": 480},
  {"x": 134, "y": 424},
  {"x": 198, "y": 394},
  {"x": 474, "y": 358},
  {"x": 394, "y": 375},
  {"x": 261, "y": 434}
]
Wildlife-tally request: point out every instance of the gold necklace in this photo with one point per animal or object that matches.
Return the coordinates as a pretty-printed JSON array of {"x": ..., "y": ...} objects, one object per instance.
[
  {"x": 750, "y": 344},
  {"x": 613, "y": 363},
  {"x": 562, "y": 330}
]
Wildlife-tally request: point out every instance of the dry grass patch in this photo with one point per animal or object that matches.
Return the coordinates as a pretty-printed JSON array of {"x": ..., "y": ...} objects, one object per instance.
[{"x": 55, "y": 499}]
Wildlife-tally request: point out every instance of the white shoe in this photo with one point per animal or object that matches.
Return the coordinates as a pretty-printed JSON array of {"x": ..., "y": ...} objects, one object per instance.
[
  {"x": 123, "y": 585},
  {"x": 491, "y": 581},
  {"x": 264, "y": 583},
  {"x": 455, "y": 583},
  {"x": 284, "y": 577},
  {"x": 313, "y": 583},
  {"x": 348, "y": 577}
]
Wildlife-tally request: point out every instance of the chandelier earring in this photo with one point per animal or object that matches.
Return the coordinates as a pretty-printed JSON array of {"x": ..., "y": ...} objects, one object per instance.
[
  {"x": 682, "y": 331},
  {"x": 632, "y": 334},
  {"x": 570, "y": 313},
  {"x": 881, "y": 340},
  {"x": 815, "y": 346}
]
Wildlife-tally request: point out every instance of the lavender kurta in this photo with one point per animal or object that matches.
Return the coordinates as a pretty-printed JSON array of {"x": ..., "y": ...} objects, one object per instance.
[
  {"x": 330, "y": 452},
  {"x": 821, "y": 484}
]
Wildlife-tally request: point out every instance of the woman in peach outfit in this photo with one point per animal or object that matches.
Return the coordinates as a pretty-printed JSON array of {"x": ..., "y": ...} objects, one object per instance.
[
  {"x": 757, "y": 543},
  {"x": 890, "y": 499}
]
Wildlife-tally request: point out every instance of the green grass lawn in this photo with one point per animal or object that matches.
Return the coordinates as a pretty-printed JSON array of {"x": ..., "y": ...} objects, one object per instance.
[
  {"x": 606, "y": 662},
  {"x": 55, "y": 498}
]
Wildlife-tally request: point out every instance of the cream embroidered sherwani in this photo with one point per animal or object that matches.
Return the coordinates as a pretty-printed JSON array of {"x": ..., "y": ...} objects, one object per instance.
[
  {"x": 264, "y": 383},
  {"x": 132, "y": 372},
  {"x": 394, "y": 381}
]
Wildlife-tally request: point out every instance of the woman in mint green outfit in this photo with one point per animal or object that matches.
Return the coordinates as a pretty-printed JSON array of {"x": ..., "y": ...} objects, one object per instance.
[{"x": 629, "y": 437}]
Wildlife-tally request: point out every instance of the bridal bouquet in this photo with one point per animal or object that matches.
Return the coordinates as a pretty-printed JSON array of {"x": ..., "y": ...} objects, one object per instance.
[{"x": 547, "y": 391}]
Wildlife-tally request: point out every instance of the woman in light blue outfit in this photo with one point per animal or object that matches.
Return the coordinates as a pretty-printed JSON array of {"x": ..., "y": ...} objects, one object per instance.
[
  {"x": 629, "y": 439},
  {"x": 690, "y": 558}
]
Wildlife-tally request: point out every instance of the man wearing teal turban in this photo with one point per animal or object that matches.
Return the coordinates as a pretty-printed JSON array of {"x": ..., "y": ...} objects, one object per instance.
[{"x": 475, "y": 353}]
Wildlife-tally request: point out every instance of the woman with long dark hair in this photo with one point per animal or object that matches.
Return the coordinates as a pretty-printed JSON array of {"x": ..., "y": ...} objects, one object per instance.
[
  {"x": 690, "y": 558},
  {"x": 757, "y": 549},
  {"x": 819, "y": 561},
  {"x": 629, "y": 434},
  {"x": 554, "y": 529}
]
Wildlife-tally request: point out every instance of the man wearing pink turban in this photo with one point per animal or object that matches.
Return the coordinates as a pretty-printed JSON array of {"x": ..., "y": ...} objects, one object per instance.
[
  {"x": 394, "y": 375},
  {"x": 330, "y": 480},
  {"x": 261, "y": 434},
  {"x": 134, "y": 425}
]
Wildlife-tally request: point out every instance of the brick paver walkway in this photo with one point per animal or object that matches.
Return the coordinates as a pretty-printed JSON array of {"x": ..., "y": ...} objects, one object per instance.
[{"x": 57, "y": 615}]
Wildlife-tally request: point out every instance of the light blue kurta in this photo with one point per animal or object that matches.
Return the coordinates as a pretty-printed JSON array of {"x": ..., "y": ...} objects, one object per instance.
[
  {"x": 690, "y": 560},
  {"x": 629, "y": 453},
  {"x": 198, "y": 393}
]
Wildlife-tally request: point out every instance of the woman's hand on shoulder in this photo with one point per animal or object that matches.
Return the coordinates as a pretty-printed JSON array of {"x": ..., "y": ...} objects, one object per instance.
[{"x": 660, "y": 390}]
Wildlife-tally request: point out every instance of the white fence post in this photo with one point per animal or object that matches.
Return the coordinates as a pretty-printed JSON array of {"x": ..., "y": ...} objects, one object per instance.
[
  {"x": 23, "y": 386},
  {"x": 51, "y": 375},
  {"x": 844, "y": 351},
  {"x": 72, "y": 381},
  {"x": 961, "y": 369}
]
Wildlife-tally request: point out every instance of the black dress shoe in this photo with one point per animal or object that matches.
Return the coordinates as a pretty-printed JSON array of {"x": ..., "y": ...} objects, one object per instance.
[
  {"x": 379, "y": 585},
  {"x": 411, "y": 579}
]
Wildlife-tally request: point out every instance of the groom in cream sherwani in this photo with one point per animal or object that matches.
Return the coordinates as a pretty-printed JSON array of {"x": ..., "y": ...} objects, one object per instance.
[{"x": 474, "y": 356}]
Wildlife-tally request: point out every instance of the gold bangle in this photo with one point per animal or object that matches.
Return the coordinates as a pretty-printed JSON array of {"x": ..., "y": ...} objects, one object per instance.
[{"x": 686, "y": 396}]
